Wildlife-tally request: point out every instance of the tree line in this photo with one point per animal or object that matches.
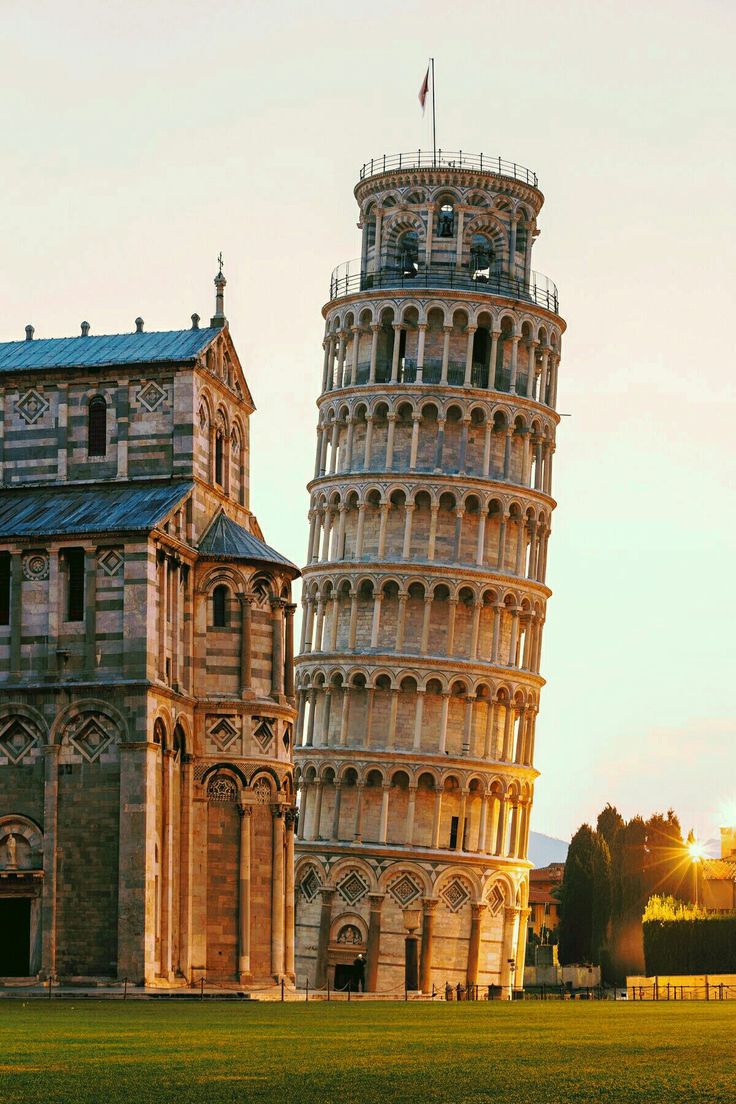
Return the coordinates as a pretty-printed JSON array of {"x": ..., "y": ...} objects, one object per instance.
[{"x": 610, "y": 874}]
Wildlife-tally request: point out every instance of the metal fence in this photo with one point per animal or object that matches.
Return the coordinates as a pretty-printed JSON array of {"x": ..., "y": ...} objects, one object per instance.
[
  {"x": 447, "y": 159},
  {"x": 538, "y": 289}
]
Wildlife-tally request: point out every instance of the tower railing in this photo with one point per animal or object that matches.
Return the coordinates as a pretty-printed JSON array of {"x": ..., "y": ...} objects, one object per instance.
[
  {"x": 349, "y": 278},
  {"x": 447, "y": 159}
]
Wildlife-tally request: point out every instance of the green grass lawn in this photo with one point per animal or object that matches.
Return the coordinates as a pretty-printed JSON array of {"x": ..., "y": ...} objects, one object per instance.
[{"x": 551, "y": 1052}]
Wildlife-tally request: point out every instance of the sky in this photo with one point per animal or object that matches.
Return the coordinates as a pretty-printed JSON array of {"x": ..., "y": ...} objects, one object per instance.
[{"x": 140, "y": 139}]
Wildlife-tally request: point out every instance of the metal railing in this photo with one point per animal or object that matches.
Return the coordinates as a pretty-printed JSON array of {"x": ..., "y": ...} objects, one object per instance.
[
  {"x": 447, "y": 159},
  {"x": 347, "y": 279}
]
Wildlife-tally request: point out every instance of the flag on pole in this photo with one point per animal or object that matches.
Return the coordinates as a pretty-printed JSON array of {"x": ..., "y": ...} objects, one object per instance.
[{"x": 424, "y": 90}]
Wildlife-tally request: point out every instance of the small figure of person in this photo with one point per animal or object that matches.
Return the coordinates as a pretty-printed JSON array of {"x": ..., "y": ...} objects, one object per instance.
[{"x": 359, "y": 973}]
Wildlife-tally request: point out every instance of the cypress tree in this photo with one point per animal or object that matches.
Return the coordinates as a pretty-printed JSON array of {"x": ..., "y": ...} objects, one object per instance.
[{"x": 576, "y": 898}]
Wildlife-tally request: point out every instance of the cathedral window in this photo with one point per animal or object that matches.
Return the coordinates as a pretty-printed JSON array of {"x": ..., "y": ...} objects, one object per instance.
[
  {"x": 4, "y": 588},
  {"x": 219, "y": 453},
  {"x": 74, "y": 584},
  {"x": 97, "y": 427},
  {"x": 219, "y": 607}
]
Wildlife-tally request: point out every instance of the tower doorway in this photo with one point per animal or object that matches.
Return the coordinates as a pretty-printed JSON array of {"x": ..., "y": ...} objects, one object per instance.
[{"x": 15, "y": 946}]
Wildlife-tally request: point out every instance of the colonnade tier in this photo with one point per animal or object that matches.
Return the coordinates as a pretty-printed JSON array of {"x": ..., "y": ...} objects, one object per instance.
[
  {"x": 472, "y": 532},
  {"x": 386, "y": 805},
  {"x": 405, "y": 432},
  {"x": 457, "y": 720},
  {"x": 433, "y": 624},
  {"x": 451, "y": 343}
]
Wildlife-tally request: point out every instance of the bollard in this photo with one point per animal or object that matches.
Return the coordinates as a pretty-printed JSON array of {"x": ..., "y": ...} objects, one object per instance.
[
  {"x": 328, "y": 986},
  {"x": 125, "y": 988},
  {"x": 307, "y": 993},
  {"x": 349, "y": 986},
  {"x": 201, "y": 988},
  {"x": 282, "y": 989},
  {"x": 51, "y": 982}
]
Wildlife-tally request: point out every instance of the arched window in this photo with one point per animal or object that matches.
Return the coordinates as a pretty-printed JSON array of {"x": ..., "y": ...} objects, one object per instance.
[
  {"x": 446, "y": 220},
  {"x": 521, "y": 237},
  {"x": 409, "y": 253},
  {"x": 481, "y": 257},
  {"x": 97, "y": 427},
  {"x": 219, "y": 450},
  {"x": 219, "y": 606}
]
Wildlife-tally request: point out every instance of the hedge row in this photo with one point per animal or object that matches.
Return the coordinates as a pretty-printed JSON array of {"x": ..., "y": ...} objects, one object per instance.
[{"x": 701, "y": 946}]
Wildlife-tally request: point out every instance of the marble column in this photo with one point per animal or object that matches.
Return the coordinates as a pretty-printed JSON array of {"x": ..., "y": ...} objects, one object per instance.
[
  {"x": 277, "y": 894},
  {"x": 244, "y": 893},
  {"x": 323, "y": 939},
  {"x": 374, "y": 940},
  {"x": 477, "y": 910},
  {"x": 429, "y": 907}
]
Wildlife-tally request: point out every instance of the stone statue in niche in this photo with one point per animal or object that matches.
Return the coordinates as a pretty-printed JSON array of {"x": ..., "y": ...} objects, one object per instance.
[{"x": 12, "y": 849}]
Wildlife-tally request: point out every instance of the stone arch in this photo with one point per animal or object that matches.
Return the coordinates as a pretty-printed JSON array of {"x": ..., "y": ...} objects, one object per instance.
[
  {"x": 353, "y": 863},
  {"x": 347, "y": 920},
  {"x": 22, "y": 730},
  {"x": 90, "y": 727},
  {"x": 461, "y": 874},
  {"x": 393, "y": 873},
  {"x": 21, "y": 843}
]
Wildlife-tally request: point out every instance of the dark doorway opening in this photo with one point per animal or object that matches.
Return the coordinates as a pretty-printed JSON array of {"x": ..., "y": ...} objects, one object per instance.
[
  {"x": 15, "y": 944},
  {"x": 344, "y": 974}
]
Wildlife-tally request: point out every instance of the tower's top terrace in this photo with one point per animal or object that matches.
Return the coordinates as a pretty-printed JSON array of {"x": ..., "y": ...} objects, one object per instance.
[{"x": 447, "y": 159}]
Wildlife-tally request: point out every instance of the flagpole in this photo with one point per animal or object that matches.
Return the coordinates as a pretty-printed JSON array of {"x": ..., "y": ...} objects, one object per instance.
[{"x": 434, "y": 121}]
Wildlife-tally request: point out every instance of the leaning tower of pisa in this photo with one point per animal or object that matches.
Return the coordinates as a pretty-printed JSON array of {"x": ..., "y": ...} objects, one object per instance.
[{"x": 425, "y": 589}]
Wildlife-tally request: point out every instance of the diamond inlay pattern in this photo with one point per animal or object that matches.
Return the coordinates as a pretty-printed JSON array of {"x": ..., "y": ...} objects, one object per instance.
[
  {"x": 353, "y": 887},
  {"x": 223, "y": 732},
  {"x": 91, "y": 740},
  {"x": 110, "y": 561},
  {"x": 495, "y": 900},
  {"x": 263, "y": 731},
  {"x": 16, "y": 741},
  {"x": 309, "y": 885},
  {"x": 455, "y": 895},
  {"x": 404, "y": 890},
  {"x": 32, "y": 406},
  {"x": 151, "y": 396}
]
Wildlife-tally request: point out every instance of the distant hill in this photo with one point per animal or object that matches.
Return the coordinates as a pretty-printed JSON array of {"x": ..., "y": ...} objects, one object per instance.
[{"x": 546, "y": 849}]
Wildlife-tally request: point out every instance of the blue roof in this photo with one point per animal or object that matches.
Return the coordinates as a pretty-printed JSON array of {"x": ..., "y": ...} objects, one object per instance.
[
  {"x": 227, "y": 540},
  {"x": 87, "y": 352},
  {"x": 48, "y": 511}
]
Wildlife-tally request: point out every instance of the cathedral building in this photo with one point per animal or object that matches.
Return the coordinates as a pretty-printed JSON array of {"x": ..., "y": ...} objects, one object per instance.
[
  {"x": 146, "y": 695},
  {"x": 425, "y": 590}
]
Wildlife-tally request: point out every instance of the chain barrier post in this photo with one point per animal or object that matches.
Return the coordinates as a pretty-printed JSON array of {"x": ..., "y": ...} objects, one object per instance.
[
  {"x": 328, "y": 986},
  {"x": 125, "y": 988},
  {"x": 282, "y": 990},
  {"x": 201, "y": 987},
  {"x": 307, "y": 991},
  {"x": 349, "y": 984}
]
